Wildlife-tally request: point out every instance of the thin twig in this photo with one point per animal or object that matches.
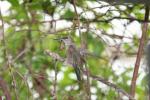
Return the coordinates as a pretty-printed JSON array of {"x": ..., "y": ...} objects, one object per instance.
[
  {"x": 77, "y": 16},
  {"x": 88, "y": 83},
  {"x": 118, "y": 89},
  {"x": 55, "y": 81}
]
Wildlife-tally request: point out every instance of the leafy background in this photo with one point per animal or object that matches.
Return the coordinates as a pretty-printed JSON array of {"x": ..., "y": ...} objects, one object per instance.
[{"x": 31, "y": 27}]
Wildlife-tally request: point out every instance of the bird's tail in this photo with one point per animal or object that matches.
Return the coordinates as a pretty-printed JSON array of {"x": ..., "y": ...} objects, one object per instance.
[
  {"x": 79, "y": 77},
  {"x": 78, "y": 73}
]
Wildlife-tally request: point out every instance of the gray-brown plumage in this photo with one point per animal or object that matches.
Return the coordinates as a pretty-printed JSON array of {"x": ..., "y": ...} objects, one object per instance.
[{"x": 74, "y": 58}]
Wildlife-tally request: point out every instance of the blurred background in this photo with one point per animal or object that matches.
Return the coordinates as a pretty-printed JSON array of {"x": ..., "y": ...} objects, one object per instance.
[{"x": 109, "y": 32}]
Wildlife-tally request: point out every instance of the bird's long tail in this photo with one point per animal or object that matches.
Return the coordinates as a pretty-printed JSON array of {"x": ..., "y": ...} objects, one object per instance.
[{"x": 78, "y": 73}]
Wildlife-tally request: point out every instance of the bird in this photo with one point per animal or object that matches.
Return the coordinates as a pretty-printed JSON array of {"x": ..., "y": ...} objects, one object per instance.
[{"x": 74, "y": 58}]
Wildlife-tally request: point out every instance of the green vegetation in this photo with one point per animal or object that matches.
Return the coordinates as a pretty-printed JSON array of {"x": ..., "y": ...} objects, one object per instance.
[{"x": 29, "y": 28}]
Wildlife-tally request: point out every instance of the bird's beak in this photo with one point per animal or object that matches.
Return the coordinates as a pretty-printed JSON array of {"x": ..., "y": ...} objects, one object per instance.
[
  {"x": 57, "y": 39},
  {"x": 61, "y": 39}
]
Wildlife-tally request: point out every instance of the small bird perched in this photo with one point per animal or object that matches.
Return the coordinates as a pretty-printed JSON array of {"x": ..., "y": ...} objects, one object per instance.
[{"x": 74, "y": 58}]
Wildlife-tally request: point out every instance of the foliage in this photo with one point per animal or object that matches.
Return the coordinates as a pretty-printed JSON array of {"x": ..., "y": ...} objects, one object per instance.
[{"x": 33, "y": 26}]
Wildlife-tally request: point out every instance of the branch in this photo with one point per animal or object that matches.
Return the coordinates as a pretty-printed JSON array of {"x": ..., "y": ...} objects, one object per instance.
[
  {"x": 5, "y": 89},
  {"x": 55, "y": 81},
  {"x": 109, "y": 84},
  {"x": 127, "y": 1},
  {"x": 140, "y": 52}
]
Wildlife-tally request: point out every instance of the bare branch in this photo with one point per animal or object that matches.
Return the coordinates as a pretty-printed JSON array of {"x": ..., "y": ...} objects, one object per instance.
[
  {"x": 140, "y": 52},
  {"x": 4, "y": 88},
  {"x": 118, "y": 89}
]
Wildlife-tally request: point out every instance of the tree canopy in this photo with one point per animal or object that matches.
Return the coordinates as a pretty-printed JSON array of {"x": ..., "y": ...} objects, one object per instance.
[{"x": 36, "y": 64}]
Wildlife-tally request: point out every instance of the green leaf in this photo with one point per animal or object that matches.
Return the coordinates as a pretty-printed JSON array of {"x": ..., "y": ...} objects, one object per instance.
[
  {"x": 14, "y": 3},
  {"x": 68, "y": 14}
]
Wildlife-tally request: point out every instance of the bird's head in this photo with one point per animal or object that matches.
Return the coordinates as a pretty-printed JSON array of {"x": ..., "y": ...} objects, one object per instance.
[{"x": 66, "y": 40}]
